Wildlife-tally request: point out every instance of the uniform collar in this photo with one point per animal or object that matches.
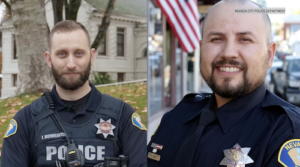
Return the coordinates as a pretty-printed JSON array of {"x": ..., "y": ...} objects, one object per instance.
[
  {"x": 232, "y": 111},
  {"x": 91, "y": 105}
]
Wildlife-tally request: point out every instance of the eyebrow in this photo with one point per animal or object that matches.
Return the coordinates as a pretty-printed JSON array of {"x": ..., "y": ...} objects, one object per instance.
[{"x": 238, "y": 33}]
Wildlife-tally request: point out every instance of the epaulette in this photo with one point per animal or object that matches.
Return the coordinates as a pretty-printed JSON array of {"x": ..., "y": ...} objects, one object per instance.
[{"x": 197, "y": 96}]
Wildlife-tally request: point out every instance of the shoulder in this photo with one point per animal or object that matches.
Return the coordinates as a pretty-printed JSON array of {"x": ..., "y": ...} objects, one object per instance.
[
  {"x": 23, "y": 114},
  {"x": 188, "y": 106},
  {"x": 20, "y": 123},
  {"x": 277, "y": 107}
]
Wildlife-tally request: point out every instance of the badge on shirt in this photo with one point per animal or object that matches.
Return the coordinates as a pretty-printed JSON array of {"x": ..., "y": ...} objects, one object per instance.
[
  {"x": 136, "y": 121},
  {"x": 289, "y": 154},
  {"x": 153, "y": 156},
  {"x": 236, "y": 157},
  {"x": 105, "y": 128},
  {"x": 12, "y": 128}
]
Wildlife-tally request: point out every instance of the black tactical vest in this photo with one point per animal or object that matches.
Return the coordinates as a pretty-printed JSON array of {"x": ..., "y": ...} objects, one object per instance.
[{"x": 51, "y": 142}]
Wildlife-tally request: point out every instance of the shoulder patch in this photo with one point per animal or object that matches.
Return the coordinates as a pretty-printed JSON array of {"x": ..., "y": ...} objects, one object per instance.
[
  {"x": 289, "y": 154},
  {"x": 12, "y": 128},
  {"x": 136, "y": 121}
]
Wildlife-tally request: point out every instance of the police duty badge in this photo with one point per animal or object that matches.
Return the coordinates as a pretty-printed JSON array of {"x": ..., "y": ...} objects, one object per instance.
[
  {"x": 236, "y": 157},
  {"x": 289, "y": 153},
  {"x": 105, "y": 128},
  {"x": 12, "y": 128}
]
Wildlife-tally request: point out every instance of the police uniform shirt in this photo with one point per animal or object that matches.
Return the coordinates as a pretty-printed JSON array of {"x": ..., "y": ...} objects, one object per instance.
[
  {"x": 259, "y": 120},
  {"x": 19, "y": 148}
]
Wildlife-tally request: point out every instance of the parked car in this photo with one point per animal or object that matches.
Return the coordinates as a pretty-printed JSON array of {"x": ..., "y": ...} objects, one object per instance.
[
  {"x": 281, "y": 55},
  {"x": 287, "y": 80},
  {"x": 277, "y": 63}
]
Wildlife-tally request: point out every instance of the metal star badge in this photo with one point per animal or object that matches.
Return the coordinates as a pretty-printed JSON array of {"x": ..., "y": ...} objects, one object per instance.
[
  {"x": 105, "y": 127},
  {"x": 236, "y": 156}
]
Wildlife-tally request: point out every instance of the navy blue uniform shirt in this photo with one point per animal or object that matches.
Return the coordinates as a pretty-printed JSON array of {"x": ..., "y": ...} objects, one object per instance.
[
  {"x": 259, "y": 120},
  {"x": 19, "y": 149}
]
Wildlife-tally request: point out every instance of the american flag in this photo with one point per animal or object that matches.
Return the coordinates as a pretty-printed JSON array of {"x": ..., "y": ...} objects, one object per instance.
[{"x": 182, "y": 16}]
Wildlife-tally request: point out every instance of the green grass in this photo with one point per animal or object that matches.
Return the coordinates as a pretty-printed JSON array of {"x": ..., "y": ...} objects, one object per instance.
[{"x": 133, "y": 94}]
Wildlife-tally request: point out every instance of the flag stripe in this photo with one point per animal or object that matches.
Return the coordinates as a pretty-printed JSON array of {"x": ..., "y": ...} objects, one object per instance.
[
  {"x": 182, "y": 16},
  {"x": 177, "y": 29},
  {"x": 181, "y": 21},
  {"x": 187, "y": 14},
  {"x": 194, "y": 10}
]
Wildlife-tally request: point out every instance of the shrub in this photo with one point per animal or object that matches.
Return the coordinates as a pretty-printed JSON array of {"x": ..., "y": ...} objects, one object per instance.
[{"x": 101, "y": 79}]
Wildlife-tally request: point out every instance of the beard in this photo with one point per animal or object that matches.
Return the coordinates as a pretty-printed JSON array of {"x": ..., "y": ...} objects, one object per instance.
[
  {"x": 71, "y": 83},
  {"x": 224, "y": 87}
]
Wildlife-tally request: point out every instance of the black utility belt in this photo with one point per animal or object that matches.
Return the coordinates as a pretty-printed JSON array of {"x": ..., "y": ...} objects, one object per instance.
[{"x": 121, "y": 161}]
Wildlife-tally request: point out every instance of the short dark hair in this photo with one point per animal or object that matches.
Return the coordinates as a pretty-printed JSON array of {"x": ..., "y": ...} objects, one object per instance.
[
  {"x": 265, "y": 17},
  {"x": 68, "y": 26}
]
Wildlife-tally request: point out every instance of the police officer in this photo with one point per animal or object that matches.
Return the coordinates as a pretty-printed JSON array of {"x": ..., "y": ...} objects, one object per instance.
[
  {"x": 98, "y": 125},
  {"x": 241, "y": 123}
]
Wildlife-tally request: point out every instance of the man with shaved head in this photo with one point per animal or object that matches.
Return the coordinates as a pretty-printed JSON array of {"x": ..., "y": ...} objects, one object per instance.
[{"x": 241, "y": 124}]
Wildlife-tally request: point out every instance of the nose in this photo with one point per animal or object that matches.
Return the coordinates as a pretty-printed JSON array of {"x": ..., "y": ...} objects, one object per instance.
[
  {"x": 230, "y": 49},
  {"x": 71, "y": 62}
]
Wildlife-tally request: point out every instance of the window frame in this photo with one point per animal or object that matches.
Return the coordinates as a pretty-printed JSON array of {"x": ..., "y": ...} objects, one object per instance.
[
  {"x": 14, "y": 47},
  {"x": 123, "y": 42},
  {"x": 123, "y": 76},
  {"x": 14, "y": 80}
]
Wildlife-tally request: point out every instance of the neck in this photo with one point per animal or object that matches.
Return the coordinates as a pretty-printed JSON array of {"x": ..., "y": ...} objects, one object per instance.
[
  {"x": 221, "y": 100},
  {"x": 72, "y": 95}
]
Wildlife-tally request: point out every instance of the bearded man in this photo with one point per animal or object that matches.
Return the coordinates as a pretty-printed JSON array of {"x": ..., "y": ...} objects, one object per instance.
[
  {"x": 236, "y": 52},
  {"x": 75, "y": 124}
]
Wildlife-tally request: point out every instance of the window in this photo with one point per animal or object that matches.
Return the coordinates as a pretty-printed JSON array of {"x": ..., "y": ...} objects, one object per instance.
[
  {"x": 120, "y": 41},
  {"x": 14, "y": 80},
  {"x": 0, "y": 40},
  {"x": 102, "y": 46},
  {"x": 14, "y": 45},
  {"x": 285, "y": 65},
  {"x": 103, "y": 74},
  {"x": 121, "y": 77},
  {"x": 145, "y": 53}
]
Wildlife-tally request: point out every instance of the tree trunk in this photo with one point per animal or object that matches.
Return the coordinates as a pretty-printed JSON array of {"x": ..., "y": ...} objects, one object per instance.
[
  {"x": 57, "y": 10},
  {"x": 104, "y": 24},
  {"x": 31, "y": 39},
  {"x": 72, "y": 9}
]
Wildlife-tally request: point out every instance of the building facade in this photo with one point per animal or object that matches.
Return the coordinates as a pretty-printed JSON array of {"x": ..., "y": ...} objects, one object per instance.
[{"x": 122, "y": 53}]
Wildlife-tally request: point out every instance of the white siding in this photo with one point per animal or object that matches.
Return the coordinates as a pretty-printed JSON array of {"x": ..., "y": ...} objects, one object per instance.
[
  {"x": 111, "y": 62},
  {"x": 9, "y": 66}
]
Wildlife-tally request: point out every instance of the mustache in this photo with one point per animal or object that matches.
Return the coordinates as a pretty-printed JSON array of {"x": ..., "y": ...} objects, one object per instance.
[
  {"x": 71, "y": 72},
  {"x": 229, "y": 62}
]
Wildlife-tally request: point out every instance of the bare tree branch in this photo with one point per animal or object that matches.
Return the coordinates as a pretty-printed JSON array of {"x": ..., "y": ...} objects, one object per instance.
[
  {"x": 57, "y": 10},
  {"x": 7, "y": 5},
  {"x": 104, "y": 24},
  {"x": 73, "y": 8}
]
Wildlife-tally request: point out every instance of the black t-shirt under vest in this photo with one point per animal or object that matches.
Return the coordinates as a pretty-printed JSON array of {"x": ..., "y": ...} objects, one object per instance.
[{"x": 51, "y": 142}]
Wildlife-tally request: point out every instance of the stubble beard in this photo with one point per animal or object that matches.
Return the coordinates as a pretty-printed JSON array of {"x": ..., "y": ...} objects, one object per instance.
[{"x": 71, "y": 83}]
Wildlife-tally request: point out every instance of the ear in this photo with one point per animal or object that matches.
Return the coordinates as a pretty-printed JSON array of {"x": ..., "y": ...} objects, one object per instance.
[
  {"x": 271, "y": 53},
  {"x": 48, "y": 58},
  {"x": 93, "y": 51}
]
